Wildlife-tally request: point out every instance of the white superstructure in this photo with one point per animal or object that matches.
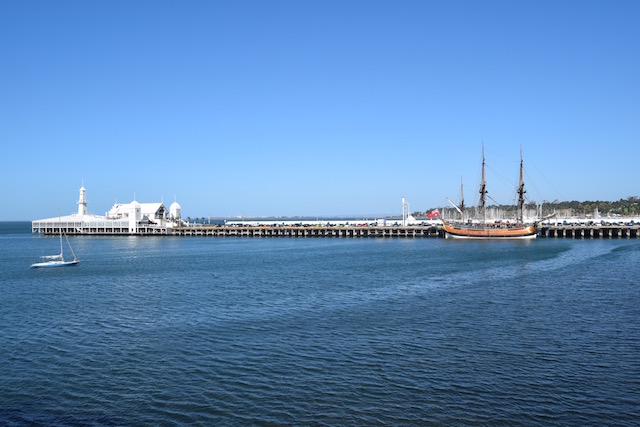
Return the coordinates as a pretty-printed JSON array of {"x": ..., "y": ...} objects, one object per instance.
[{"x": 129, "y": 218}]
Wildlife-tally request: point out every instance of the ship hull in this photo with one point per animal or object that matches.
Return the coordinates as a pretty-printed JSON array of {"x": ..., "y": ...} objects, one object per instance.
[{"x": 489, "y": 233}]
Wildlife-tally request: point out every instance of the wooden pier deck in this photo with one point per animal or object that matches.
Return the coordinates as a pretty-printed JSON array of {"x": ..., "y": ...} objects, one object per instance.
[
  {"x": 310, "y": 231},
  {"x": 546, "y": 231},
  {"x": 590, "y": 231},
  {"x": 553, "y": 231}
]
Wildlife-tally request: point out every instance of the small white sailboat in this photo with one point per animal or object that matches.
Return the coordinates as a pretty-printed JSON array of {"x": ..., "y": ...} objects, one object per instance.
[{"x": 57, "y": 260}]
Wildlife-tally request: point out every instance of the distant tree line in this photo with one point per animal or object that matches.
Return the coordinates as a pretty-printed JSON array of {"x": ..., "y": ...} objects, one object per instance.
[
  {"x": 624, "y": 207},
  {"x": 628, "y": 206}
]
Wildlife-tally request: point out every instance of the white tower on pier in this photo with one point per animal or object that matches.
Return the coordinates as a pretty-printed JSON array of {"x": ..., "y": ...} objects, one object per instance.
[
  {"x": 135, "y": 215},
  {"x": 405, "y": 212},
  {"x": 82, "y": 201},
  {"x": 175, "y": 211}
]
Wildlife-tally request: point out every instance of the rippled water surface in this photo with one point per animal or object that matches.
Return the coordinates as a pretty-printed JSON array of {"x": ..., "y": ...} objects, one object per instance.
[{"x": 164, "y": 331}]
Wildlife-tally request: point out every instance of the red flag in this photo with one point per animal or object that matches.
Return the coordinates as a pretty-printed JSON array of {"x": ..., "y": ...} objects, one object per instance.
[{"x": 433, "y": 214}]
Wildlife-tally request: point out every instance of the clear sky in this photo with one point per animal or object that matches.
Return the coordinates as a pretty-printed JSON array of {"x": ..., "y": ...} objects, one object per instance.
[{"x": 314, "y": 107}]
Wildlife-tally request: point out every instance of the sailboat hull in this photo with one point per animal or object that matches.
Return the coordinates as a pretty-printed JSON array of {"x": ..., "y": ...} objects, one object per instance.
[
  {"x": 55, "y": 264},
  {"x": 486, "y": 233}
]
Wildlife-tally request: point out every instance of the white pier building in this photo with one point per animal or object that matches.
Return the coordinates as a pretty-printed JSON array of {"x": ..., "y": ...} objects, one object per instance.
[{"x": 123, "y": 219}]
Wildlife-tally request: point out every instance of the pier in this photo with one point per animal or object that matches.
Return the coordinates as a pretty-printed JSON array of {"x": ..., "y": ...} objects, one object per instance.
[
  {"x": 153, "y": 219},
  {"x": 311, "y": 231},
  {"x": 548, "y": 231},
  {"x": 577, "y": 231}
]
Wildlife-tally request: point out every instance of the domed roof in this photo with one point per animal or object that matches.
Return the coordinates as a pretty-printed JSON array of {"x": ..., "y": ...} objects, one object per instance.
[{"x": 174, "y": 205}]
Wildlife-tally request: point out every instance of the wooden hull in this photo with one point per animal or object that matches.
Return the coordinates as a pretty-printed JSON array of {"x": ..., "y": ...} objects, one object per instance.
[{"x": 484, "y": 232}]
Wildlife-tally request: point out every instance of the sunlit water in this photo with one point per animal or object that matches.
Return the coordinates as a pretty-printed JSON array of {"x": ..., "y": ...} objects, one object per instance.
[{"x": 286, "y": 331}]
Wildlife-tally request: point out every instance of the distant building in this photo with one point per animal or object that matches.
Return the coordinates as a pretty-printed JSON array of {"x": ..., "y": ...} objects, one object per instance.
[{"x": 130, "y": 218}]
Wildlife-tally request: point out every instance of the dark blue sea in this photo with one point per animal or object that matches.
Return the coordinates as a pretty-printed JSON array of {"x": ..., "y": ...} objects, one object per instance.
[{"x": 312, "y": 331}]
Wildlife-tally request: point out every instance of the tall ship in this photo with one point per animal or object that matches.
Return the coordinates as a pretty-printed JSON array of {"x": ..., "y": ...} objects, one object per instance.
[{"x": 484, "y": 230}]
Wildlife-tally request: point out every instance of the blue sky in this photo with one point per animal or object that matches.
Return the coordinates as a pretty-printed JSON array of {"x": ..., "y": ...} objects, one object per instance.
[{"x": 314, "y": 107}]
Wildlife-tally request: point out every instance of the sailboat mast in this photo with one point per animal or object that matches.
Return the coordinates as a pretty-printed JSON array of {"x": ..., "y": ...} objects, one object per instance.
[
  {"x": 60, "y": 230},
  {"x": 521, "y": 192},
  {"x": 483, "y": 191}
]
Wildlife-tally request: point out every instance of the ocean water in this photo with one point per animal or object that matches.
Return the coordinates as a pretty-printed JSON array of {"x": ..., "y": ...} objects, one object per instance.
[{"x": 286, "y": 331}]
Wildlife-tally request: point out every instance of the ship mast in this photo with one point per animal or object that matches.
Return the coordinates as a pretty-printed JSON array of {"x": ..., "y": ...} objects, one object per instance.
[
  {"x": 462, "y": 199},
  {"x": 521, "y": 192},
  {"x": 483, "y": 191}
]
